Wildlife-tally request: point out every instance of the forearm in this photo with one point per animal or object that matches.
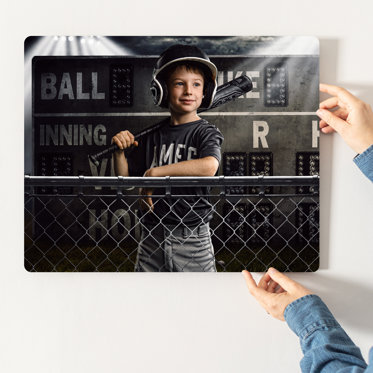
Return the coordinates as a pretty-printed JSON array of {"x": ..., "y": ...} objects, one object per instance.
[
  {"x": 325, "y": 345},
  {"x": 365, "y": 162},
  {"x": 195, "y": 167},
  {"x": 120, "y": 164}
]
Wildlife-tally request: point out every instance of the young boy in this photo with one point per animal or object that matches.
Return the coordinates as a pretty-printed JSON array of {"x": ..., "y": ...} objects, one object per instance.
[{"x": 175, "y": 231}]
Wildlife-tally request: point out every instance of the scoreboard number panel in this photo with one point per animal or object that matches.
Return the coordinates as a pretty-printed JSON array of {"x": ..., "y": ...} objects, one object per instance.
[
  {"x": 276, "y": 86},
  {"x": 234, "y": 164},
  {"x": 121, "y": 85},
  {"x": 261, "y": 164}
]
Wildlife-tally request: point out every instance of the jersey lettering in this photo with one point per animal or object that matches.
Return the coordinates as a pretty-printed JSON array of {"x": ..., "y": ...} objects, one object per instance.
[
  {"x": 169, "y": 155},
  {"x": 192, "y": 153},
  {"x": 178, "y": 156},
  {"x": 166, "y": 156}
]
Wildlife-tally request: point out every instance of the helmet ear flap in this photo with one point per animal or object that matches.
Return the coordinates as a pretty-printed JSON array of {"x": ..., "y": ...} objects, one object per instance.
[
  {"x": 159, "y": 91},
  {"x": 155, "y": 91},
  {"x": 164, "y": 101},
  {"x": 208, "y": 94}
]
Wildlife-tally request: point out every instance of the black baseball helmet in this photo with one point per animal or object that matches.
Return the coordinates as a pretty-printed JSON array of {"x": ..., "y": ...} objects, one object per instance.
[{"x": 177, "y": 54}]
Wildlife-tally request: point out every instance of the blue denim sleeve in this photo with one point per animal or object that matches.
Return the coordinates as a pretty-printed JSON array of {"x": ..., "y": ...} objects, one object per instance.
[
  {"x": 365, "y": 162},
  {"x": 325, "y": 345}
]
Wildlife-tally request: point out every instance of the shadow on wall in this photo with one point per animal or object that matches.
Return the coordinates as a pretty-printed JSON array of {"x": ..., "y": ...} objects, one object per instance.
[
  {"x": 329, "y": 52},
  {"x": 350, "y": 300},
  {"x": 328, "y": 69}
]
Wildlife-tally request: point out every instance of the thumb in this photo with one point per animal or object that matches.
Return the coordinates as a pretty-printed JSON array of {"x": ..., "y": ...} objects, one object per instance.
[
  {"x": 284, "y": 281},
  {"x": 332, "y": 120}
]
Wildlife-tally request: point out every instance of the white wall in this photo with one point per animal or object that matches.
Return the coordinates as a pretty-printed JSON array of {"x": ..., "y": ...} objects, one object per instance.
[{"x": 182, "y": 322}]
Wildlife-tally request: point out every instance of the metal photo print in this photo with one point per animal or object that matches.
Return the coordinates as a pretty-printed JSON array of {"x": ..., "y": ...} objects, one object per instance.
[{"x": 171, "y": 153}]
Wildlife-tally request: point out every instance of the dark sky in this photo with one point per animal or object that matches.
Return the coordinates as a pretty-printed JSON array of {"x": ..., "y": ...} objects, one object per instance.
[{"x": 213, "y": 45}]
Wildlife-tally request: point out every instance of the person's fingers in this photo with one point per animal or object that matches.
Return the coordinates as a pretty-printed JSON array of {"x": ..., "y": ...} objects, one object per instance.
[
  {"x": 341, "y": 113},
  {"x": 342, "y": 93},
  {"x": 131, "y": 138},
  {"x": 127, "y": 139},
  {"x": 274, "y": 299},
  {"x": 263, "y": 282},
  {"x": 332, "y": 103},
  {"x": 124, "y": 139},
  {"x": 149, "y": 201},
  {"x": 332, "y": 120},
  {"x": 258, "y": 293},
  {"x": 290, "y": 286},
  {"x": 250, "y": 282},
  {"x": 141, "y": 199},
  {"x": 329, "y": 103},
  {"x": 116, "y": 141},
  {"x": 284, "y": 281},
  {"x": 327, "y": 129},
  {"x": 272, "y": 286},
  {"x": 280, "y": 290},
  {"x": 146, "y": 202}
]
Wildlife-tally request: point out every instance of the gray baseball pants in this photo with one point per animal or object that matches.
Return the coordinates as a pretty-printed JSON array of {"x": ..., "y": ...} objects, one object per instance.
[{"x": 175, "y": 249}]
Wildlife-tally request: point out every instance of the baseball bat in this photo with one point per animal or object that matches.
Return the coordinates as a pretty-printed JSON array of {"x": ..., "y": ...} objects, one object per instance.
[{"x": 224, "y": 93}]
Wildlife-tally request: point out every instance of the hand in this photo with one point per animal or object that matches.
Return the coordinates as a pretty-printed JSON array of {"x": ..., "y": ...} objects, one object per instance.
[
  {"x": 146, "y": 203},
  {"x": 124, "y": 140},
  {"x": 275, "y": 291},
  {"x": 352, "y": 118}
]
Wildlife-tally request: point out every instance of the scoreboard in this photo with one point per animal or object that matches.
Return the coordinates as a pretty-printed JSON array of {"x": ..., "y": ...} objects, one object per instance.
[{"x": 79, "y": 103}]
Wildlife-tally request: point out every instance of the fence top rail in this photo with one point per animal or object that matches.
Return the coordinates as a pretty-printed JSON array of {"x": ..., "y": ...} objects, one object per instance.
[{"x": 184, "y": 181}]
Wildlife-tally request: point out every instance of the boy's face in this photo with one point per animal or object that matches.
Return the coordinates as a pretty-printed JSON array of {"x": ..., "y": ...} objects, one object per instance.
[{"x": 185, "y": 91}]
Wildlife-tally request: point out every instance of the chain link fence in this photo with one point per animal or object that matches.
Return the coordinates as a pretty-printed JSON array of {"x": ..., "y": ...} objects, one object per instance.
[{"x": 95, "y": 223}]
